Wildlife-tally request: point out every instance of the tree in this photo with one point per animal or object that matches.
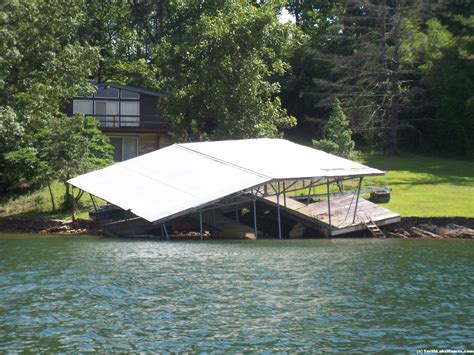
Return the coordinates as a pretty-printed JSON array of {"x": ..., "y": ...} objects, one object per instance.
[
  {"x": 443, "y": 83},
  {"x": 43, "y": 66},
  {"x": 68, "y": 146},
  {"x": 338, "y": 137},
  {"x": 74, "y": 148},
  {"x": 218, "y": 61},
  {"x": 218, "y": 68},
  {"x": 11, "y": 137},
  {"x": 355, "y": 50}
]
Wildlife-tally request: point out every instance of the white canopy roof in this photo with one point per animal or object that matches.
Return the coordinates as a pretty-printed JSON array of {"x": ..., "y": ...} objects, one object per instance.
[{"x": 184, "y": 177}]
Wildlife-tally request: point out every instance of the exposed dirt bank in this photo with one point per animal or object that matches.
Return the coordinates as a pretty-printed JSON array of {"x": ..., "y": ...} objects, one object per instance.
[{"x": 409, "y": 227}]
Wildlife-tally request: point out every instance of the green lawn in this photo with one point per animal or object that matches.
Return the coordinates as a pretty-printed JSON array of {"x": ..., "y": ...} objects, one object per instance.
[
  {"x": 421, "y": 186},
  {"x": 427, "y": 186}
]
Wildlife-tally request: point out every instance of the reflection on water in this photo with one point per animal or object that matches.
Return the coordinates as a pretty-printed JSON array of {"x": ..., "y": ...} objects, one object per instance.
[{"x": 86, "y": 294}]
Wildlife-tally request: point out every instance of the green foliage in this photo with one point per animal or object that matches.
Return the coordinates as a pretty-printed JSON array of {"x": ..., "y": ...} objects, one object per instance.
[
  {"x": 218, "y": 70},
  {"x": 43, "y": 65},
  {"x": 73, "y": 147},
  {"x": 338, "y": 138},
  {"x": 425, "y": 47},
  {"x": 445, "y": 93},
  {"x": 66, "y": 147},
  {"x": 11, "y": 131},
  {"x": 11, "y": 136},
  {"x": 352, "y": 53}
]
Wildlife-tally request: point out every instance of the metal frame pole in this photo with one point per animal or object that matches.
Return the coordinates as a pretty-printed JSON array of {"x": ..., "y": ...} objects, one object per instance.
[
  {"x": 166, "y": 231},
  {"x": 95, "y": 208},
  {"x": 130, "y": 225},
  {"x": 329, "y": 208},
  {"x": 99, "y": 218},
  {"x": 278, "y": 211},
  {"x": 255, "y": 216},
  {"x": 309, "y": 191},
  {"x": 200, "y": 224},
  {"x": 284, "y": 194},
  {"x": 357, "y": 200}
]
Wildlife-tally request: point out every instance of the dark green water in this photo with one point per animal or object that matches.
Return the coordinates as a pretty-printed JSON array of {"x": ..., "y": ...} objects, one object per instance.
[{"x": 86, "y": 294}]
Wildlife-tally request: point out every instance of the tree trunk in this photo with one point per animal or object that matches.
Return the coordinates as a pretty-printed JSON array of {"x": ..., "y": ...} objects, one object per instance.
[
  {"x": 69, "y": 200},
  {"x": 392, "y": 147},
  {"x": 51, "y": 196}
]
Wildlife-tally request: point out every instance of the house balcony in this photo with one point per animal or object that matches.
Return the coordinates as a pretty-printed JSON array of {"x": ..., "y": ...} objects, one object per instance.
[{"x": 142, "y": 123}]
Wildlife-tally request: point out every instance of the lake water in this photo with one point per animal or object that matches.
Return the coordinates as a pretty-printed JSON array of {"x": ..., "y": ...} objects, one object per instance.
[{"x": 98, "y": 294}]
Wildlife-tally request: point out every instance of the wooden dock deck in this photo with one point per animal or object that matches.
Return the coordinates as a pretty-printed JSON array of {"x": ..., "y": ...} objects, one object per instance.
[{"x": 342, "y": 213}]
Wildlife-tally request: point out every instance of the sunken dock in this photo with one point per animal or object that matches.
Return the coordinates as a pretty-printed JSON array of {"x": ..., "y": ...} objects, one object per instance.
[{"x": 200, "y": 185}]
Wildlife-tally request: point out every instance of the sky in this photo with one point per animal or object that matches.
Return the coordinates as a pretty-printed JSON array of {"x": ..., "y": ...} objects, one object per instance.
[{"x": 286, "y": 17}]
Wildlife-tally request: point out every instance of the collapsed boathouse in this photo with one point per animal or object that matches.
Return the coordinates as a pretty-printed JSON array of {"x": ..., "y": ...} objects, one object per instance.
[{"x": 208, "y": 181}]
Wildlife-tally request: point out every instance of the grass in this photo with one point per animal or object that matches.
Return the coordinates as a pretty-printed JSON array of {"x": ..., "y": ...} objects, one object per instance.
[
  {"x": 426, "y": 186},
  {"x": 422, "y": 186},
  {"x": 37, "y": 205}
]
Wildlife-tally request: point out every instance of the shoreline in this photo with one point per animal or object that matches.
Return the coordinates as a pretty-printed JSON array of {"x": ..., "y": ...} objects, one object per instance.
[{"x": 408, "y": 227}]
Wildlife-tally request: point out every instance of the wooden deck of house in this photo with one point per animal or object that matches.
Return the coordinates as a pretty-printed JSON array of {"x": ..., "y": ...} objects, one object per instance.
[{"x": 342, "y": 213}]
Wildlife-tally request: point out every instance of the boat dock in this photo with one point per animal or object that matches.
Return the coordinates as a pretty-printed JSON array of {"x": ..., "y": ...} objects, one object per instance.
[
  {"x": 202, "y": 180},
  {"x": 338, "y": 218}
]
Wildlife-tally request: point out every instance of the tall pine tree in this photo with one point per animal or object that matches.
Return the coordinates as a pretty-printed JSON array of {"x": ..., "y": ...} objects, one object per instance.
[{"x": 338, "y": 136}]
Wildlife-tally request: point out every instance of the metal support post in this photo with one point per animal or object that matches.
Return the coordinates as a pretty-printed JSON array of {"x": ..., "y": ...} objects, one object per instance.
[
  {"x": 357, "y": 200},
  {"x": 99, "y": 218},
  {"x": 278, "y": 211},
  {"x": 130, "y": 225},
  {"x": 200, "y": 224},
  {"x": 284, "y": 194},
  {"x": 95, "y": 207},
  {"x": 309, "y": 191},
  {"x": 329, "y": 207},
  {"x": 166, "y": 232},
  {"x": 255, "y": 216}
]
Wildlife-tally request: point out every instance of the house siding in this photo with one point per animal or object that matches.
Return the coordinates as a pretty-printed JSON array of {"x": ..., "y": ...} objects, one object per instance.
[{"x": 151, "y": 134}]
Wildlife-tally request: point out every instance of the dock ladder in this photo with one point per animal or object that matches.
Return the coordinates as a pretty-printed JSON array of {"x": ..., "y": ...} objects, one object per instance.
[{"x": 372, "y": 227}]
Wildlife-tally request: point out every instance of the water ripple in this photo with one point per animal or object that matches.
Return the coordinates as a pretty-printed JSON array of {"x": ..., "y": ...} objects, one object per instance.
[{"x": 94, "y": 294}]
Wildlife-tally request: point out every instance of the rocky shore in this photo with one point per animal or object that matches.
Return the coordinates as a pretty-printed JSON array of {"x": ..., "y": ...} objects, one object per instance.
[
  {"x": 50, "y": 226},
  {"x": 432, "y": 227},
  {"x": 409, "y": 227}
]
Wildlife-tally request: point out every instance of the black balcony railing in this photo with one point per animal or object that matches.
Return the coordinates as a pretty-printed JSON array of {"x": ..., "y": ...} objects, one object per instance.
[{"x": 131, "y": 121}]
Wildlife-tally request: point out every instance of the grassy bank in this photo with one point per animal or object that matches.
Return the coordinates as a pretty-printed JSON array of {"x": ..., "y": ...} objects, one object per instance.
[
  {"x": 427, "y": 186},
  {"x": 421, "y": 186},
  {"x": 37, "y": 205}
]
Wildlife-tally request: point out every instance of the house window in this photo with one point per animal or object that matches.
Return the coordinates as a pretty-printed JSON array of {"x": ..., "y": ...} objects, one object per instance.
[
  {"x": 107, "y": 113},
  {"x": 124, "y": 147},
  {"x": 125, "y": 94},
  {"x": 82, "y": 106},
  {"x": 129, "y": 113},
  {"x": 107, "y": 93}
]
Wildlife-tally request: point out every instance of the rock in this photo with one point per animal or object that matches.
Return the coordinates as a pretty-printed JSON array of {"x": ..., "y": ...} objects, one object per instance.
[
  {"x": 461, "y": 232},
  {"x": 298, "y": 230}
]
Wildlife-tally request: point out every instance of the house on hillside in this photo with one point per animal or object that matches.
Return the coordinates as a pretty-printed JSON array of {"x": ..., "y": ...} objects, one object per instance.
[{"x": 130, "y": 116}]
